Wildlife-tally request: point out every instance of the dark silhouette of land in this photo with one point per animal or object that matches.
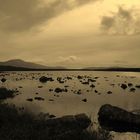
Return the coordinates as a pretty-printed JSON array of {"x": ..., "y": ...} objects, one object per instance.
[
  {"x": 13, "y": 68},
  {"x": 20, "y": 65},
  {"x": 117, "y": 69}
]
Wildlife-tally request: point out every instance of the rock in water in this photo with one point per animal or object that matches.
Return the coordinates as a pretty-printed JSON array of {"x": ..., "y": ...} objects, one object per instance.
[
  {"x": 44, "y": 79},
  {"x": 3, "y": 80},
  {"x": 132, "y": 89},
  {"x": 130, "y": 84},
  {"x": 137, "y": 86},
  {"x": 124, "y": 86},
  {"x": 62, "y": 127},
  {"x": 30, "y": 99},
  {"x": 83, "y": 121},
  {"x": 39, "y": 98},
  {"x": 116, "y": 119},
  {"x": 84, "y": 100}
]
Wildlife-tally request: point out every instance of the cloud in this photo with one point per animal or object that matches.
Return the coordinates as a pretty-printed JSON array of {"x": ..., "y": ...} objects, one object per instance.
[
  {"x": 123, "y": 22},
  {"x": 22, "y": 15},
  {"x": 69, "y": 59}
]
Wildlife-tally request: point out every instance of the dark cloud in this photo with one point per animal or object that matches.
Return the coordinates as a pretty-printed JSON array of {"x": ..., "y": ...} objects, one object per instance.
[
  {"x": 80, "y": 2},
  {"x": 107, "y": 22},
  {"x": 124, "y": 22},
  {"x": 21, "y": 15}
]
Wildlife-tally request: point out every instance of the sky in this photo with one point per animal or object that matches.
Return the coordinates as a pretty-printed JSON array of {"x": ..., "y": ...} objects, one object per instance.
[{"x": 71, "y": 33}]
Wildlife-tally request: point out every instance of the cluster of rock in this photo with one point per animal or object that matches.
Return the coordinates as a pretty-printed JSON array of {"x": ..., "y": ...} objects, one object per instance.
[
  {"x": 110, "y": 118},
  {"x": 131, "y": 86}
]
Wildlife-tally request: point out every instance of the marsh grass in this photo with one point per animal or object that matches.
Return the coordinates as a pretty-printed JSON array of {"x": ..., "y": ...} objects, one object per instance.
[
  {"x": 25, "y": 126},
  {"x": 6, "y": 93},
  {"x": 15, "y": 125}
]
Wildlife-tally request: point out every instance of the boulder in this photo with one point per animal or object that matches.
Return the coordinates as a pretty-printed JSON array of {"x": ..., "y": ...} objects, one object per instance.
[
  {"x": 123, "y": 86},
  {"x": 84, "y": 100},
  {"x": 39, "y": 98},
  {"x": 44, "y": 79},
  {"x": 60, "y": 80},
  {"x": 79, "y": 77},
  {"x": 109, "y": 92},
  {"x": 3, "y": 80},
  {"x": 58, "y": 90},
  {"x": 137, "y": 86},
  {"x": 29, "y": 99},
  {"x": 61, "y": 127},
  {"x": 130, "y": 84},
  {"x": 116, "y": 119},
  {"x": 132, "y": 89},
  {"x": 92, "y": 86}
]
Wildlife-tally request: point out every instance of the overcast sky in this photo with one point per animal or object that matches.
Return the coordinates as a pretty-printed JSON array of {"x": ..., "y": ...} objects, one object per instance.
[{"x": 71, "y": 33}]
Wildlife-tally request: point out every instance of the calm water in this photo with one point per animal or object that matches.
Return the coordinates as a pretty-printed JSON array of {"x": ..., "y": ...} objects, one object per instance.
[{"x": 70, "y": 102}]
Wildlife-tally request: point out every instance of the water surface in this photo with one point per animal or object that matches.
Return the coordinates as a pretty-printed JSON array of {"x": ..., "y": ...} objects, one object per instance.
[{"x": 107, "y": 90}]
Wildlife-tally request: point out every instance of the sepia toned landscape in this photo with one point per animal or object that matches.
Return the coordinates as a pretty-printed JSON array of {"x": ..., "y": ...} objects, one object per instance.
[{"x": 69, "y": 70}]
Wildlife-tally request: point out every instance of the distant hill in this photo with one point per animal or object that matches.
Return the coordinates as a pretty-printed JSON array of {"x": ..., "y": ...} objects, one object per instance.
[
  {"x": 18, "y": 63},
  {"x": 11, "y": 68}
]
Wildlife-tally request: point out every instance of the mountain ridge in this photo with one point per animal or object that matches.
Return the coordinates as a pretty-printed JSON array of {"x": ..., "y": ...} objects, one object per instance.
[
  {"x": 19, "y": 65},
  {"x": 25, "y": 64}
]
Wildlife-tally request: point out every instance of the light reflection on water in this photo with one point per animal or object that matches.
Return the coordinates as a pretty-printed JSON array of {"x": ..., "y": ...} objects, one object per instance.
[{"x": 69, "y": 103}]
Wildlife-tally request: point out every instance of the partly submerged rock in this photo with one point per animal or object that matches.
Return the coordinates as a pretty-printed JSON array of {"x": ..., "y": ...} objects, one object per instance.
[
  {"x": 29, "y": 99},
  {"x": 92, "y": 86},
  {"x": 58, "y": 90},
  {"x": 40, "y": 86},
  {"x": 130, "y": 84},
  {"x": 84, "y": 100},
  {"x": 39, "y": 98},
  {"x": 137, "y": 86},
  {"x": 45, "y": 79},
  {"x": 3, "y": 80},
  {"x": 80, "y": 121},
  {"x": 116, "y": 119},
  {"x": 79, "y": 77},
  {"x": 123, "y": 86},
  {"x": 109, "y": 92},
  {"x": 67, "y": 125},
  {"x": 132, "y": 89}
]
